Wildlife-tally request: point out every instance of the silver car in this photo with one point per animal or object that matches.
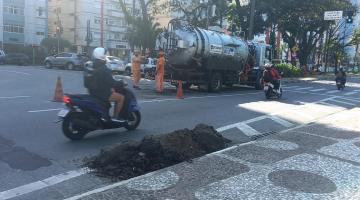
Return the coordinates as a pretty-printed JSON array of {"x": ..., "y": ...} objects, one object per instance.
[
  {"x": 70, "y": 61},
  {"x": 115, "y": 64}
]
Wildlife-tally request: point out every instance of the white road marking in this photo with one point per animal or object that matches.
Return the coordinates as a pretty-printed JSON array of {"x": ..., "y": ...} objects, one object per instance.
[
  {"x": 47, "y": 110},
  {"x": 350, "y": 93},
  {"x": 222, "y": 129},
  {"x": 281, "y": 121},
  {"x": 305, "y": 88},
  {"x": 332, "y": 92},
  {"x": 348, "y": 99},
  {"x": 15, "y": 97},
  {"x": 201, "y": 97},
  {"x": 321, "y": 94},
  {"x": 290, "y": 87},
  {"x": 38, "y": 185},
  {"x": 15, "y": 72},
  {"x": 317, "y": 90},
  {"x": 346, "y": 103},
  {"x": 248, "y": 130},
  {"x": 159, "y": 100}
]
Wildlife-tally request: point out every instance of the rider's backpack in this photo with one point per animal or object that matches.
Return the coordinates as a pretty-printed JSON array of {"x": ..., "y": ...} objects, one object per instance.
[
  {"x": 89, "y": 80},
  {"x": 267, "y": 76}
]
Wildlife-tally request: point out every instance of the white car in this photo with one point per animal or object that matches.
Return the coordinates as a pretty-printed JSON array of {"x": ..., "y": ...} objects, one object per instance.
[
  {"x": 149, "y": 63},
  {"x": 115, "y": 64}
]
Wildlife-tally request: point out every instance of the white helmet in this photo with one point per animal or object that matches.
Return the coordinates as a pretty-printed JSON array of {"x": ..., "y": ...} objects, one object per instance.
[
  {"x": 99, "y": 54},
  {"x": 268, "y": 65}
]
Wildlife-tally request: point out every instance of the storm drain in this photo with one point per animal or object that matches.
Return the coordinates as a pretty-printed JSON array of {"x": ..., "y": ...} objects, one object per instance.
[{"x": 256, "y": 137}]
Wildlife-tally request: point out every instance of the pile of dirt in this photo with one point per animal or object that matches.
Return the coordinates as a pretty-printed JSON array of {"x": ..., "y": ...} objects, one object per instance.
[{"x": 156, "y": 152}]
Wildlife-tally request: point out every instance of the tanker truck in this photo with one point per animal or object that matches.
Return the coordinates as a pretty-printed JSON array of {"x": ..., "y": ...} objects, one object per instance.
[{"x": 211, "y": 59}]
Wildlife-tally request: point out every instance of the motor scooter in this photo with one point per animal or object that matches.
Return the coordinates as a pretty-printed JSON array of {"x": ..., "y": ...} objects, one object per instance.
[
  {"x": 270, "y": 92},
  {"x": 84, "y": 113}
]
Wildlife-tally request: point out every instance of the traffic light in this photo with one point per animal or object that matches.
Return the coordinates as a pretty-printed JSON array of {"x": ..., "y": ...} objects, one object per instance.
[{"x": 349, "y": 17}]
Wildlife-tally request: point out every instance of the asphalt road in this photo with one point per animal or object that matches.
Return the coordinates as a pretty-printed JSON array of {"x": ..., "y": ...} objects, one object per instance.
[{"x": 36, "y": 159}]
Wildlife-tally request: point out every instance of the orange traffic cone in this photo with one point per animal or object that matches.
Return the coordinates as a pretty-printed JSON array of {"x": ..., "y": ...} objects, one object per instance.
[
  {"x": 58, "y": 97},
  {"x": 179, "y": 93}
]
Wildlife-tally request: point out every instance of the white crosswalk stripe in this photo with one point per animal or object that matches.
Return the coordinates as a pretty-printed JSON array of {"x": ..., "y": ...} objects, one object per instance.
[
  {"x": 290, "y": 87},
  {"x": 317, "y": 90},
  {"x": 333, "y": 92},
  {"x": 350, "y": 93},
  {"x": 343, "y": 102},
  {"x": 305, "y": 88}
]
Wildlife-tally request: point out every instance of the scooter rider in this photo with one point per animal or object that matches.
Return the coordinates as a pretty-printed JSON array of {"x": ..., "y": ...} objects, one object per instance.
[
  {"x": 102, "y": 84},
  {"x": 272, "y": 75},
  {"x": 341, "y": 76}
]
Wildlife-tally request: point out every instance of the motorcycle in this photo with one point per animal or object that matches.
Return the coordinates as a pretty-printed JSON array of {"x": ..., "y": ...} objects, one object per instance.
[
  {"x": 340, "y": 84},
  {"x": 84, "y": 113},
  {"x": 270, "y": 92}
]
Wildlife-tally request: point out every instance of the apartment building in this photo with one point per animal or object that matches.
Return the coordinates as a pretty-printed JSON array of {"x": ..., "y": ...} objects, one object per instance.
[
  {"x": 72, "y": 18},
  {"x": 22, "y": 22}
]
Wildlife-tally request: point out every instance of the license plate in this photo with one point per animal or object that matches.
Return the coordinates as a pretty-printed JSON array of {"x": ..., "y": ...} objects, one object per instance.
[{"x": 63, "y": 113}]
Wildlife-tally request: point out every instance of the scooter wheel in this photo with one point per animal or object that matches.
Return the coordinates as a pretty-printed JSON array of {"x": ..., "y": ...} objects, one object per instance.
[
  {"x": 71, "y": 130},
  {"x": 133, "y": 121}
]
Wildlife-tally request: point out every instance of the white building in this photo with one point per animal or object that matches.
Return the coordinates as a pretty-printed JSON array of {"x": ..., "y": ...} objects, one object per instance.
[
  {"x": 73, "y": 16},
  {"x": 1, "y": 27},
  {"x": 22, "y": 22}
]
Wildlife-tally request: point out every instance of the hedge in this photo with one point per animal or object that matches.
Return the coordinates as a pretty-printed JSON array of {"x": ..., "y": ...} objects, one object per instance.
[{"x": 289, "y": 70}]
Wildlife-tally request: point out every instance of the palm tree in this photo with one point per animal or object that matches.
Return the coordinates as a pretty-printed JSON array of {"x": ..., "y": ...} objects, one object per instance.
[{"x": 144, "y": 31}]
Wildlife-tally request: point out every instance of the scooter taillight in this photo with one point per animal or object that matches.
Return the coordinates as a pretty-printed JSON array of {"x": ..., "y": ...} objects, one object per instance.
[{"x": 66, "y": 100}]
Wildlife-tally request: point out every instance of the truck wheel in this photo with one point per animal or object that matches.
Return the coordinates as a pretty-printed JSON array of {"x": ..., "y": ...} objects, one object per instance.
[
  {"x": 229, "y": 85},
  {"x": 216, "y": 83},
  {"x": 258, "y": 84}
]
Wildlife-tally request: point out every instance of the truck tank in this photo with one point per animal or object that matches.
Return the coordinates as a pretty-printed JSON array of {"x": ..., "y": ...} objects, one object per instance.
[{"x": 191, "y": 47}]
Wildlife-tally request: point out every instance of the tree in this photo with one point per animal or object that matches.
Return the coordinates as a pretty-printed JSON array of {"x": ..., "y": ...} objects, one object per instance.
[
  {"x": 337, "y": 40},
  {"x": 196, "y": 13},
  {"x": 51, "y": 43},
  {"x": 355, "y": 40},
  {"x": 301, "y": 22},
  {"x": 239, "y": 16},
  {"x": 144, "y": 31}
]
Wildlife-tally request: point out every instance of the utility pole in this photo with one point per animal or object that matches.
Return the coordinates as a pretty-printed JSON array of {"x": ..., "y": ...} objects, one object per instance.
[
  {"x": 58, "y": 29},
  {"x": 89, "y": 38},
  {"x": 102, "y": 24},
  {"x": 252, "y": 15},
  {"x": 133, "y": 26}
]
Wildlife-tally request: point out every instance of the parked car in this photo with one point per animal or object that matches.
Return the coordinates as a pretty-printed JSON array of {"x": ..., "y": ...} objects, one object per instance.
[
  {"x": 115, "y": 64},
  {"x": 70, "y": 61},
  {"x": 15, "y": 59},
  {"x": 149, "y": 64},
  {"x": 2, "y": 57}
]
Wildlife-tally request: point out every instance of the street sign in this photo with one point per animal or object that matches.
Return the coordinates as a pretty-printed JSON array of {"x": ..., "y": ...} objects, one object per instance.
[{"x": 333, "y": 15}]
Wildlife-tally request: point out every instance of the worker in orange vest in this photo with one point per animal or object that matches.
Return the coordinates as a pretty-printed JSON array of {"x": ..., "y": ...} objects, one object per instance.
[
  {"x": 136, "y": 63},
  {"x": 160, "y": 72}
]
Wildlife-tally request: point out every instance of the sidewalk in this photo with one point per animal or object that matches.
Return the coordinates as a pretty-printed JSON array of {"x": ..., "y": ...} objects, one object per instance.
[{"x": 312, "y": 161}]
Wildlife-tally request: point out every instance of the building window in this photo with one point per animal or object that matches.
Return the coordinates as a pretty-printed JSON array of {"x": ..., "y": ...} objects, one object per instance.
[
  {"x": 13, "y": 28},
  {"x": 97, "y": 20},
  {"x": 14, "y": 10},
  {"x": 40, "y": 33},
  {"x": 40, "y": 12}
]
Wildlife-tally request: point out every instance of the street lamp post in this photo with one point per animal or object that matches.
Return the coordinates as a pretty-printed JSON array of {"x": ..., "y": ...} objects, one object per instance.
[{"x": 252, "y": 15}]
